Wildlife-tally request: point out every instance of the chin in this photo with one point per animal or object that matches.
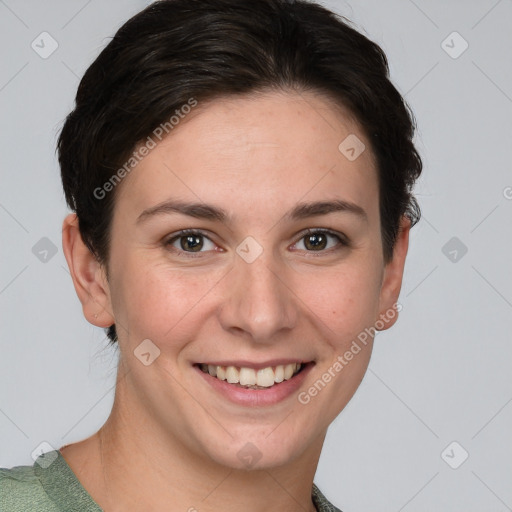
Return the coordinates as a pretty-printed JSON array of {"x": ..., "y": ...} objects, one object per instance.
[{"x": 259, "y": 451}]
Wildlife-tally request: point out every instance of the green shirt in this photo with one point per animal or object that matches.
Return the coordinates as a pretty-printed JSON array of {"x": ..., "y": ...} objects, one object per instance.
[{"x": 51, "y": 486}]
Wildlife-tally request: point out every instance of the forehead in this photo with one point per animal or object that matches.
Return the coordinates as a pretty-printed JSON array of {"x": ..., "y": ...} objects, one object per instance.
[{"x": 258, "y": 149}]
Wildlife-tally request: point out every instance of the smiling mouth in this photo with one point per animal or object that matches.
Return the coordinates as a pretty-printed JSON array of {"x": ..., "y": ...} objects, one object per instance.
[{"x": 249, "y": 378}]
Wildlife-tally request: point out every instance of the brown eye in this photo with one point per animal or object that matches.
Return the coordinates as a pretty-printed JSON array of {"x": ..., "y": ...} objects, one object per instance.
[
  {"x": 321, "y": 241},
  {"x": 315, "y": 241},
  {"x": 190, "y": 242}
]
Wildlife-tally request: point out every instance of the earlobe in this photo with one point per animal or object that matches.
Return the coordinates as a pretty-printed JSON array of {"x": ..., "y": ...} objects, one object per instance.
[
  {"x": 87, "y": 274},
  {"x": 392, "y": 279}
]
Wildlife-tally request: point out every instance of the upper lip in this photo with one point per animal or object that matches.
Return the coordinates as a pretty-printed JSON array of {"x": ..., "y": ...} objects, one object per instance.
[{"x": 256, "y": 366}]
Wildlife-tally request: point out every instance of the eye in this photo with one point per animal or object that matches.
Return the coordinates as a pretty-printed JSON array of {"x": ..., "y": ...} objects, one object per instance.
[
  {"x": 190, "y": 241},
  {"x": 317, "y": 240}
]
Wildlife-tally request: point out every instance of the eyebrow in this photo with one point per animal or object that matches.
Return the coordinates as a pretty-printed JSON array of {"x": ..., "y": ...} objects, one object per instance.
[{"x": 213, "y": 213}]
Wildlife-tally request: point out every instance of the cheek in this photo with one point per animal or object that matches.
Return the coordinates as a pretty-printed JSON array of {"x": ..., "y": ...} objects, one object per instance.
[
  {"x": 347, "y": 309},
  {"x": 158, "y": 302},
  {"x": 155, "y": 300},
  {"x": 346, "y": 301}
]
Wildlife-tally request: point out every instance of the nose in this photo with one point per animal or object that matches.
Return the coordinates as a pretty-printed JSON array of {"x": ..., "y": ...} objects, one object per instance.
[{"x": 258, "y": 300}]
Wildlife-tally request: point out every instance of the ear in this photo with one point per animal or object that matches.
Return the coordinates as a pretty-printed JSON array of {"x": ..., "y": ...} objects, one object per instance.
[
  {"x": 88, "y": 275},
  {"x": 392, "y": 278}
]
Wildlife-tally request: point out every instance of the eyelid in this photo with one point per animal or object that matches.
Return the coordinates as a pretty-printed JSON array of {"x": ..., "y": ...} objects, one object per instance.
[
  {"x": 311, "y": 231},
  {"x": 184, "y": 232},
  {"x": 342, "y": 239}
]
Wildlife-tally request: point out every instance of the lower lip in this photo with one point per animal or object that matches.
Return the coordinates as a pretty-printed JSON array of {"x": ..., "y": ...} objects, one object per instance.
[{"x": 257, "y": 397}]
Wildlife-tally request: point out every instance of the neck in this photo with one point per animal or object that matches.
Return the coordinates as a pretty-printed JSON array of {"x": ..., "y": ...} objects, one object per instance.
[{"x": 138, "y": 465}]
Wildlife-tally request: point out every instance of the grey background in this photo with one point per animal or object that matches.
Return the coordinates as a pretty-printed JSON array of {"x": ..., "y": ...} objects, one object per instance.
[{"x": 441, "y": 374}]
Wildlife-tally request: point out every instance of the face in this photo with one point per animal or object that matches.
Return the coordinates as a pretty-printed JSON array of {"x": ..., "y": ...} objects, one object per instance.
[{"x": 282, "y": 264}]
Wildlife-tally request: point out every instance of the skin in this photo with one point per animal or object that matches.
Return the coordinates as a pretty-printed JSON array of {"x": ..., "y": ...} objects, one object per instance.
[{"x": 171, "y": 441}]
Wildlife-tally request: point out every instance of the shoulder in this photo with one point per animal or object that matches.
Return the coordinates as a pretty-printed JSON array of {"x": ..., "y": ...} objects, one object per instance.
[
  {"x": 21, "y": 490},
  {"x": 322, "y": 504},
  {"x": 48, "y": 486}
]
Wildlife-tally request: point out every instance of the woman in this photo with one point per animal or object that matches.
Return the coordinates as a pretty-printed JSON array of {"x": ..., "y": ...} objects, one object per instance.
[{"x": 241, "y": 177}]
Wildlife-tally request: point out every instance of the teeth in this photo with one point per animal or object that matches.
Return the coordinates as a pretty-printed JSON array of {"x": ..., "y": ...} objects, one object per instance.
[
  {"x": 221, "y": 373},
  {"x": 279, "y": 374},
  {"x": 247, "y": 376},
  {"x": 288, "y": 371},
  {"x": 265, "y": 377},
  {"x": 232, "y": 375}
]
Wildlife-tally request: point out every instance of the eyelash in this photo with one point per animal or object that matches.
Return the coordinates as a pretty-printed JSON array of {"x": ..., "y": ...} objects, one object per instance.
[{"x": 342, "y": 241}]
